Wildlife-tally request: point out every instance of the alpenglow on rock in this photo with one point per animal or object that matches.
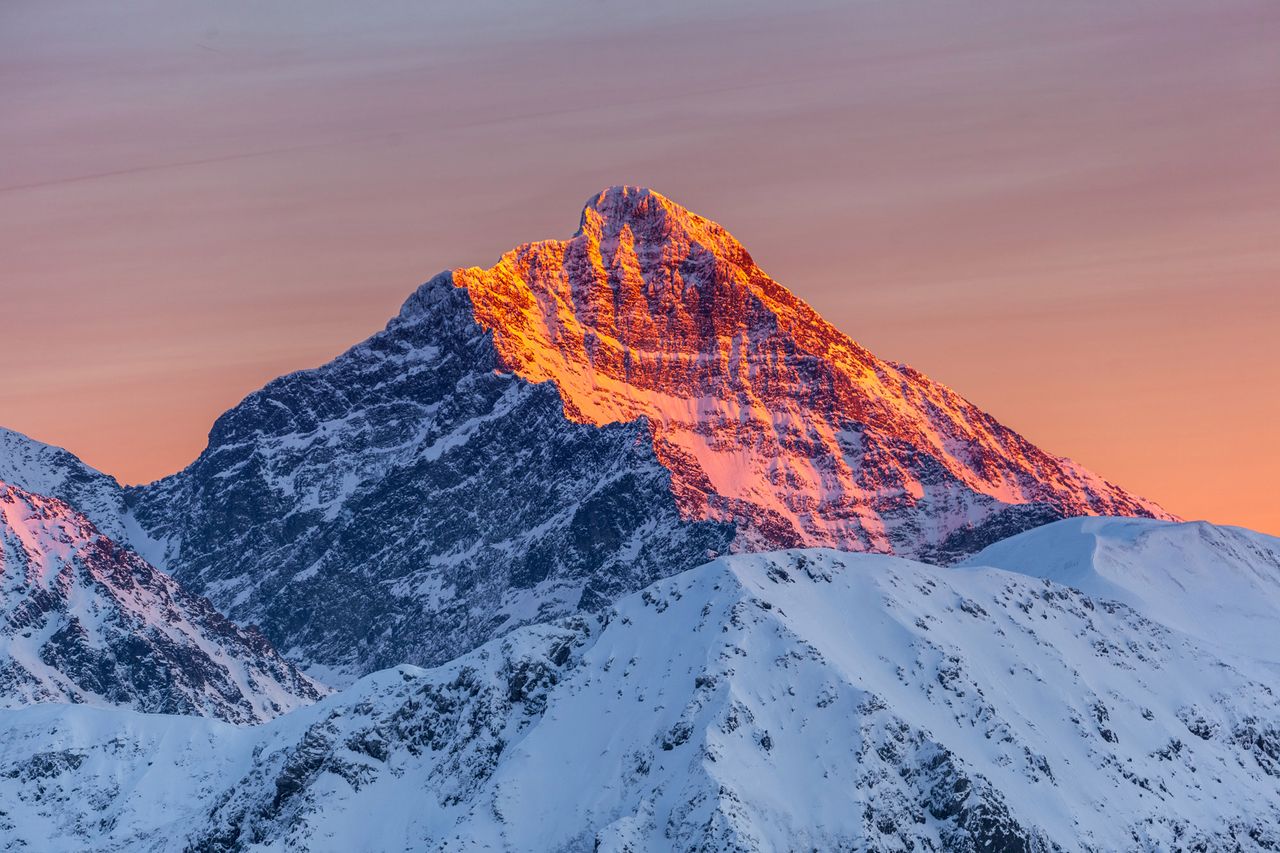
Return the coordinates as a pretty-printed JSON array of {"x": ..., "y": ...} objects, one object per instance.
[
  {"x": 766, "y": 414},
  {"x": 588, "y": 415},
  {"x": 85, "y": 620}
]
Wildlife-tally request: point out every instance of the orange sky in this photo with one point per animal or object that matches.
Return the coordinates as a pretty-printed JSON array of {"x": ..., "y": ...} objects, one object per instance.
[{"x": 1068, "y": 212}]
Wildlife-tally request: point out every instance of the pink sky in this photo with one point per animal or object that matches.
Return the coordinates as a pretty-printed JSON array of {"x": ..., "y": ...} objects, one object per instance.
[{"x": 1069, "y": 212}]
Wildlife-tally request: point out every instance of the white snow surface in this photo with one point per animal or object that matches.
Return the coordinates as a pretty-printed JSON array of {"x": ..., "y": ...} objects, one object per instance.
[
  {"x": 1220, "y": 584},
  {"x": 795, "y": 700}
]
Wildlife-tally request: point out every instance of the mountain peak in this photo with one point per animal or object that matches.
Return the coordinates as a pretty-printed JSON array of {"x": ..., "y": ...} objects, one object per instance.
[
  {"x": 616, "y": 207},
  {"x": 621, "y": 204},
  {"x": 640, "y": 216},
  {"x": 767, "y": 415}
]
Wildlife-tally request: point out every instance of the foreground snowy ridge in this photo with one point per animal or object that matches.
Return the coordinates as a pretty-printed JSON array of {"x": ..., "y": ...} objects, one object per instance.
[
  {"x": 1220, "y": 584},
  {"x": 795, "y": 700}
]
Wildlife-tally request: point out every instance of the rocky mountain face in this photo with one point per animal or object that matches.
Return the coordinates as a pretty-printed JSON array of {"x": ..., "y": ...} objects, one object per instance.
[
  {"x": 85, "y": 620},
  {"x": 536, "y": 439},
  {"x": 767, "y": 416},
  {"x": 412, "y": 499},
  {"x": 794, "y": 700}
]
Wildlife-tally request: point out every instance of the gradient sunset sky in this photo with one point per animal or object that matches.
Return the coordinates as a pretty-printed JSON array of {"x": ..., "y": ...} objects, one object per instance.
[{"x": 1067, "y": 211}]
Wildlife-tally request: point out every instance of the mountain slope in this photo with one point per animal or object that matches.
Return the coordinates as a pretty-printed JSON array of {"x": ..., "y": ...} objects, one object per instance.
[
  {"x": 85, "y": 620},
  {"x": 765, "y": 413},
  {"x": 1221, "y": 584},
  {"x": 409, "y": 501},
  {"x": 47, "y": 470},
  {"x": 796, "y": 700}
]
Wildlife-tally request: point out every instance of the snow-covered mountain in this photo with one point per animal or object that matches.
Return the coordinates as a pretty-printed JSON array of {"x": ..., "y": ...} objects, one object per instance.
[
  {"x": 47, "y": 470},
  {"x": 1221, "y": 584},
  {"x": 788, "y": 701},
  {"x": 528, "y": 441},
  {"x": 85, "y": 620},
  {"x": 520, "y": 482}
]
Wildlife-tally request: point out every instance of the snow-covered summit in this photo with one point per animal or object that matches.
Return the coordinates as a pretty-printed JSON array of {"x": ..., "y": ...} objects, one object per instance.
[{"x": 640, "y": 215}]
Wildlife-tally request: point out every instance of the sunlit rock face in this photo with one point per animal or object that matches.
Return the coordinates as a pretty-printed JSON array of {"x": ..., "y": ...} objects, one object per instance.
[
  {"x": 765, "y": 414},
  {"x": 86, "y": 620}
]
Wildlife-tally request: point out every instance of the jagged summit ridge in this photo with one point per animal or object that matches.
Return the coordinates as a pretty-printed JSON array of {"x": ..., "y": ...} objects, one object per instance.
[
  {"x": 767, "y": 416},
  {"x": 655, "y": 218}
]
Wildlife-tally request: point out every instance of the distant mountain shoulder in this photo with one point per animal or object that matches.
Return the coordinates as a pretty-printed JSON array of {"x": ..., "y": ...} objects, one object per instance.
[
  {"x": 86, "y": 620},
  {"x": 44, "y": 469}
]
